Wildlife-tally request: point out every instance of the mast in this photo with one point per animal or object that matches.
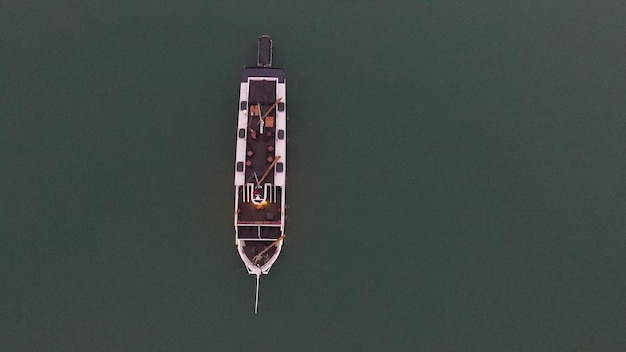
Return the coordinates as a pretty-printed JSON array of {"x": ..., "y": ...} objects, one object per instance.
[
  {"x": 267, "y": 172},
  {"x": 256, "y": 302},
  {"x": 271, "y": 108},
  {"x": 258, "y": 256}
]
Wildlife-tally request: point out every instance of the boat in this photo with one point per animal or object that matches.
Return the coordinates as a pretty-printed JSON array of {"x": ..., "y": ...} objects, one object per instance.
[{"x": 261, "y": 164}]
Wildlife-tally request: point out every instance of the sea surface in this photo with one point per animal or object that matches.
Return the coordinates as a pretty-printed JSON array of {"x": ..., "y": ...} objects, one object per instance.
[{"x": 457, "y": 176}]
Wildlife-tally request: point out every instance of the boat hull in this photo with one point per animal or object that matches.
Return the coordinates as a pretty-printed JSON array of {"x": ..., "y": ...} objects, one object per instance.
[{"x": 261, "y": 163}]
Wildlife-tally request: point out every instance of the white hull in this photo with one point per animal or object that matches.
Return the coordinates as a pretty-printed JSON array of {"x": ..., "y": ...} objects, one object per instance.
[{"x": 261, "y": 164}]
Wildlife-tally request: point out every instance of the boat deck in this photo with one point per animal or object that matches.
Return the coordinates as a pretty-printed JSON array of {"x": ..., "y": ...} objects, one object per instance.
[
  {"x": 253, "y": 248},
  {"x": 249, "y": 214},
  {"x": 254, "y": 221},
  {"x": 260, "y": 148},
  {"x": 259, "y": 232}
]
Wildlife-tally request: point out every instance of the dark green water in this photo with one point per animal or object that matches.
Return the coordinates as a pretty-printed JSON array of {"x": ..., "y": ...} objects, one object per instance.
[{"x": 456, "y": 176}]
